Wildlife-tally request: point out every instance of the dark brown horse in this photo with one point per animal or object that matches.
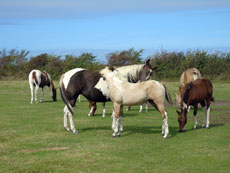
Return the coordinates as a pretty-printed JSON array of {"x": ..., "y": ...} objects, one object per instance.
[{"x": 199, "y": 91}]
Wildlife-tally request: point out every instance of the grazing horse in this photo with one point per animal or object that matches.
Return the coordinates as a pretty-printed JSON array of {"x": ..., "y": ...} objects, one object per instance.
[
  {"x": 132, "y": 74},
  {"x": 124, "y": 93},
  {"x": 41, "y": 79},
  {"x": 92, "y": 85},
  {"x": 199, "y": 91},
  {"x": 187, "y": 76}
]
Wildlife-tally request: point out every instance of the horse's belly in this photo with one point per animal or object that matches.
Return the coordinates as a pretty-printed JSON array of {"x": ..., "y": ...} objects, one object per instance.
[{"x": 134, "y": 100}]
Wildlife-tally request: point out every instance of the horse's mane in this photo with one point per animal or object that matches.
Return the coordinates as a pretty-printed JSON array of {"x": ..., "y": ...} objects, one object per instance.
[
  {"x": 130, "y": 73},
  {"x": 188, "y": 87}
]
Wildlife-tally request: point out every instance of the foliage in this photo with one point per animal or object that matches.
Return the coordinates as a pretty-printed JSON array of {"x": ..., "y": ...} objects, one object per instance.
[
  {"x": 124, "y": 57},
  {"x": 14, "y": 64}
]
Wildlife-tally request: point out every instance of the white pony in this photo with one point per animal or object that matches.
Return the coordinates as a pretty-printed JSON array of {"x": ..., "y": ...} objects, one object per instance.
[
  {"x": 124, "y": 93},
  {"x": 41, "y": 79}
]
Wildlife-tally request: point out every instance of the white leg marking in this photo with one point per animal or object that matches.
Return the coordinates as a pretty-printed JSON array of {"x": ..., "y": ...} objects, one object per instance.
[
  {"x": 36, "y": 93},
  {"x": 90, "y": 112},
  {"x": 42, "y": 96},
  {"x": 146, "y": 107},
  {"x": 205, "y": 117},
  {"x": 32, "y": 93},
  {"x": 121, "y": 124},
  {"x": 72, "y": 127},
  {"x": 166, "y": 127},
  {"x": 103, "y": 105},
  {"x": 66, "y": 118},
  {"x": 195, "y": 122},
  {"x": 116, "y": 124},
  {"x": 141, "y": 108},
  {"x": 208, "y": 115}
]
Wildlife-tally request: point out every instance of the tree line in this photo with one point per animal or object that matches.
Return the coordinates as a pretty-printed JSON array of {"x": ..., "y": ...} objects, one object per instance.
[{"x": 15, "y": 64}]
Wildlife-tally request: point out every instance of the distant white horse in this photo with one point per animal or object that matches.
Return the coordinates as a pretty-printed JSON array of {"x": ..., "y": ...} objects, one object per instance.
[
  {"x": 41, "y": 79},
  {"x": 124, "y": 93}
]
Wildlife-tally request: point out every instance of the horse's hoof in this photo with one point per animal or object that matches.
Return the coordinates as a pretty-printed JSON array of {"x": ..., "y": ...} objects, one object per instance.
[
  {"x": 165, "y": 136},
  {"x": 67, "y": 129},
  {"x": 75, "y": 132}
]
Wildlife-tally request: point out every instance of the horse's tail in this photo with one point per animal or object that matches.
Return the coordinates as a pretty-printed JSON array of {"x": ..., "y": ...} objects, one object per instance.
[
  {"x": 167, "y": 95},
  {"x": 63, "y": 95}
]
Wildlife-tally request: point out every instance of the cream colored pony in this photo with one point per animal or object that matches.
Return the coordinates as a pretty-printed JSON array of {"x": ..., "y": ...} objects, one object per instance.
[
  {"x": 124, "y": 93},
  {"x": 187, "y": 76}
]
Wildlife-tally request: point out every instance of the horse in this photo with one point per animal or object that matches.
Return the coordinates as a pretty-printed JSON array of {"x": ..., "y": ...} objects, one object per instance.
[
  {"x": 187, "y": 76},
  {"x": 123, "y": 93},
  {"x": 91, "y": 85},
  {"x": 132, "y": 74},
  {"x": 198, "y": 91},
  {"x": 41, "y": 79}
]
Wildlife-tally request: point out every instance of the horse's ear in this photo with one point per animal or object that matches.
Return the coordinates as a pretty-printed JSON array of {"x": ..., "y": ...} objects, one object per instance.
[
  {"x": 112, "y": 68},
  {"x": 147, "y": 62},
  {"x": 154, "y": 68}
]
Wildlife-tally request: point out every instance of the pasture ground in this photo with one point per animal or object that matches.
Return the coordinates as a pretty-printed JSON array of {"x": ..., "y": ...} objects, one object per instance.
[{"x": 32, "y": 138}]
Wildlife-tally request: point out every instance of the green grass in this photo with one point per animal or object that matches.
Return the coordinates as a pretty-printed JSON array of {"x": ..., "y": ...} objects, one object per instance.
[{"x": 32, "y": 137}]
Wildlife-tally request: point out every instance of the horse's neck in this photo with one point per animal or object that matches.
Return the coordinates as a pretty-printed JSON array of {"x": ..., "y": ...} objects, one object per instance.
[{"x": 114, "y": 82}]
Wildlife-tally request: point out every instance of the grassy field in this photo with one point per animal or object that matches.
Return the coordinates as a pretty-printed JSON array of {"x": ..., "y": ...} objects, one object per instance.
[{"x": 32, "y": 137}]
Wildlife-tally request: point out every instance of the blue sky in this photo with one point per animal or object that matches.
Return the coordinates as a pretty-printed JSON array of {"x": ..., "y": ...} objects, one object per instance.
[{"x": 43, "y": 25}]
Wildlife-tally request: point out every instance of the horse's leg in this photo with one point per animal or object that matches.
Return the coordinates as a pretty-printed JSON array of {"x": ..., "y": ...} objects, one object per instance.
[
  {"x": 91, "y": 106},
  {"x": 42, "y": 95},
  {"x": 32, "y": 93},
  {"x": 208, "y": 115},
  {"x": 120, "y": 121},
  {"x": 117, "y": 108},
  {"x": 195, "y": 116},
  {"x": 205, "y": 116},
  {"x": 146, "y": 107},
  {"x": 160, "y": 107},
  {"x": 72, "y": 126},
  {"x": 65, "y": 118},
  {"x": 128, "y": 108},
  {"x": 36, "y": 93},
  {"x": 103, "y": 105},
  {"x": 141, "y": 108}
]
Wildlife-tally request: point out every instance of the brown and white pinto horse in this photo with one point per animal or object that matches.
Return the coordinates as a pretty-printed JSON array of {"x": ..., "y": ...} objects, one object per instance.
[
  {"x": 199, "y": 91},
  {"x": 41, "y": 79},
  {"x": 91, "y": 85},
  {"x": 187, "y": 76},
  {"x": 123, "y": 93}
]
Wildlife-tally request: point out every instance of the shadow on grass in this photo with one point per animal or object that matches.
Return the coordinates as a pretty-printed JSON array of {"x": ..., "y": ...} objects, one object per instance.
[{"x": 129, "y": 130}]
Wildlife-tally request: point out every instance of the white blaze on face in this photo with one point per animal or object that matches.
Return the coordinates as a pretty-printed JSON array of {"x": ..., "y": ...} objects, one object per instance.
[
  {"x": 69, "y": 74},
  {"x": 102, "y": 85}
]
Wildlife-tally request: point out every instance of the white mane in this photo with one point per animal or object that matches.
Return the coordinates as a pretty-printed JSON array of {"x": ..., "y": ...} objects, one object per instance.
[{"x": 128, "y": 72}]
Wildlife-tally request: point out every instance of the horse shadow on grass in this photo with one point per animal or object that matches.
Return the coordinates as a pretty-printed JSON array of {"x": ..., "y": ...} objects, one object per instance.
[{"x": 130, "y": 130}]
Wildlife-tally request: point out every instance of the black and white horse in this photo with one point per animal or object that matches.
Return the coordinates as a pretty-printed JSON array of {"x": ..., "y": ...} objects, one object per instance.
[
  {"x": 41, "y": 79},
  {"x": 92, "y": 85}
]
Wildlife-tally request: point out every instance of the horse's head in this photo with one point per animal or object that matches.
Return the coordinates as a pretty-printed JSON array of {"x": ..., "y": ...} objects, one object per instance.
[
  {"x": 54, "y": 94},
  {"x": 182, "y": 119},
  {"x": 108, "y": 71},
  {"x": 146, "y": 71}
]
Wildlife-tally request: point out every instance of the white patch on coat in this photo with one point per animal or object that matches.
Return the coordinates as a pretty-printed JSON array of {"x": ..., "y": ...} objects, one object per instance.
[
  {"x": 69, "y": 74},
  {"x": 103, "y": 86}
]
